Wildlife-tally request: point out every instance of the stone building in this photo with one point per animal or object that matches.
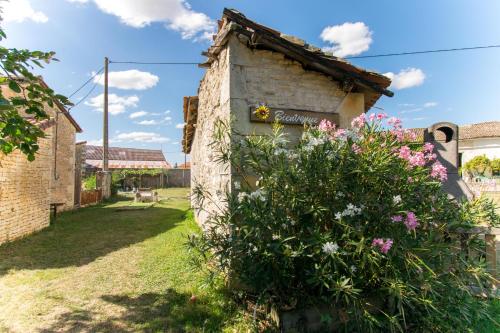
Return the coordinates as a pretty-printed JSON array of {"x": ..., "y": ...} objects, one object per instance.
[
  {"x": 479, "y": 139},
  {"x": 250, "y": 64},
  {"x": 27, "y": 189}
]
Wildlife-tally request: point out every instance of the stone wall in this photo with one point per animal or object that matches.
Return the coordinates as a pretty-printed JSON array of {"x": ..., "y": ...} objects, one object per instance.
[
  {"x": 24, "y": 191},
  {"x": 63, "y": 177},
  {"x": 266, "y": 77},
  {"x": 242, "y": 78},
  {"x": 213, "y": 104}
]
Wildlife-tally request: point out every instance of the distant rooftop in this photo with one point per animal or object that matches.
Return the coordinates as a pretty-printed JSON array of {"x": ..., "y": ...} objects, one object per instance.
[{"x": 126, "y": 158}]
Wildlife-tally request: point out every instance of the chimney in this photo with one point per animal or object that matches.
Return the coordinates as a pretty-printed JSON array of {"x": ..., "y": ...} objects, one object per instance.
[{"x": 444, "y": 137}]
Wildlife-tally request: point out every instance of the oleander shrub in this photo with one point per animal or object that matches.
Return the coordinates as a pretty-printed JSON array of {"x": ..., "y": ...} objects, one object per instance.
[{"x": 354, "y": 219}]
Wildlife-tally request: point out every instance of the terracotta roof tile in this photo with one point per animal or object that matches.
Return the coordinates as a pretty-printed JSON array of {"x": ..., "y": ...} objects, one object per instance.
[{"x": 124, "y": 154}]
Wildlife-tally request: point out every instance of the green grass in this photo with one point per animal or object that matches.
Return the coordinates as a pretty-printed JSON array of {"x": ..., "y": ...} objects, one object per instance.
[{"x": 101, "y": 270}]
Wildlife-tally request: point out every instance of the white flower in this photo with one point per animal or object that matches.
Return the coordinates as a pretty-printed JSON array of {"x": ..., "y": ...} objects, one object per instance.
[
  {"x": 258, "y": 195},
  {"x": 338, "y": 215},
  {"x": 237, "y": 185},
  {"x": 279, "y": 151},
  {"x": 275, "y": 237},
  {"x": 242, "y": 196},
  {"x": 396, "y": 199},
  {"x": 330, "y": 248},
  {"x": 353, "y": 268}
]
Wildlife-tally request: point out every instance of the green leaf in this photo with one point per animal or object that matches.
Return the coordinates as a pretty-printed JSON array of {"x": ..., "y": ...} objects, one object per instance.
[{"x": 14, "y": 86}]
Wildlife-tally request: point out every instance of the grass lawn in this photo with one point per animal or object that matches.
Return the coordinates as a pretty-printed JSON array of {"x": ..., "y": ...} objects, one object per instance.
[
  {"x": 116, "y": 268},
  {"x": 100, "y": 269}
]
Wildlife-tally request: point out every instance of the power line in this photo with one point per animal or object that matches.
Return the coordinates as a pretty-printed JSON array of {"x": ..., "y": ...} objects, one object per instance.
[
  {"x": 85, "y": 97},
  {"x": 86, "y": 82},
  {"x": 153, "y": 63},
  {"x": 424, "y": 52}
]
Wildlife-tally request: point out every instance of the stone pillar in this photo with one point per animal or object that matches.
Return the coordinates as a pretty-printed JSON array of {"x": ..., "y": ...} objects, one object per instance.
[
  {"x": 103, "y": 182},
  {"x": 444, "y": 137}
]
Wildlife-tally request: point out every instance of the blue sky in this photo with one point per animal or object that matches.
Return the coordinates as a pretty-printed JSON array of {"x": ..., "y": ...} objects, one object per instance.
[{"x": 461, "y": 87}]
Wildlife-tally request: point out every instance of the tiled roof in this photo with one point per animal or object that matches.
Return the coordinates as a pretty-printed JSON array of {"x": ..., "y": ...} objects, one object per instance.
[
  {"x": 114, "y": 164},
  {"x": 124, "y": 154},
  {"x": 257, "y": 36},
  {"x": 480, "y": 130},
  {"x": 487, "y": 129}
]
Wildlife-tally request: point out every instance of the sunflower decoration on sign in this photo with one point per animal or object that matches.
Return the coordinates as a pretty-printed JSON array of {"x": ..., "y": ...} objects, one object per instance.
[{"x": 262, "y": 112}]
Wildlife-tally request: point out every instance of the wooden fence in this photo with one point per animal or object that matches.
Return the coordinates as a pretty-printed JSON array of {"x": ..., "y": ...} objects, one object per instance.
[{"x": 90, "y": 197}]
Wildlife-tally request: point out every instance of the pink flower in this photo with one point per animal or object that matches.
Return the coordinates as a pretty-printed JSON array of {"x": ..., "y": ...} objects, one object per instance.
[
  {"x": 339, "y": 133},
  {"x": 439, "y": 171},
  {"x": 378, "y": 242},
  {"x": 396, "y": 218},
  {"x": 387, "y": 246},
  {"x": 428, "y": 147},
  {"x": 384, "y": 246},
  {"x": 356, "y": 149},
  {"x": 405, "y": 152},
  {"x": 326, "y": 126},
  {"x": 411, "y": 134},
  {"x": 398, "y": 133},
  {"x": 381, "y": 116},
  {"x": 372, "y": 117},
  {"x": 417, "y": 159},
  {"x": 411, "y": 221},
  {"x": 395, "y": 122},
  {"x": 359, "y": 121},
  {"x": 430, "y": 157}
]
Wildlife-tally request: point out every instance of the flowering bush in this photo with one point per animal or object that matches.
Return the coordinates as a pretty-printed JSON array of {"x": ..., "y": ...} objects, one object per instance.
[{"x": 353, "y": 219}]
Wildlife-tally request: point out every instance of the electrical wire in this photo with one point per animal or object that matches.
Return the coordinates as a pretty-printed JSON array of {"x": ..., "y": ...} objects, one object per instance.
[
  {"x": 86, "y": 82},
  {"x": 424, "y": 52},
  {"x": 153, "y": 63},
  {"x": 84, "y": 97}
]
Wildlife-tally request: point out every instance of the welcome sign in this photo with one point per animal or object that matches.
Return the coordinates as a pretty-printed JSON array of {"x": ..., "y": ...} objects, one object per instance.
[{"x": 294, "y": 117}]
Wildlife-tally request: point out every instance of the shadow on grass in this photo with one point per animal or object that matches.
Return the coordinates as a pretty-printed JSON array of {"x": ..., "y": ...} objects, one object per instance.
[
  {"x": 79, "y": 237},
  {"x": 149, "y": 312}
]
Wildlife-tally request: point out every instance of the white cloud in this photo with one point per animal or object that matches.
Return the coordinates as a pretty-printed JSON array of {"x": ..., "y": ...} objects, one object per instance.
[
  {"x": 97, "y": 142},
  {"x": 411, "y": 110},
  {"x": 181, "y": 126},
  {"x": 148, "y": 122},
  {"x": 430, "y": 104},
  {"x": 138, "y": 114},
  {"x": 116, "y": 104},
  {"x": 78, "y": 1},
  {"x": 149, "y": 137},
  {"x": 20, "y": 10},
  {"x": 130, "y": 80},
  {"x": 406, "y": 78},
  {"x": 176, "y": 15},
  {"x": 167, "y": 112},
  {"x": 347, "y": 39}
]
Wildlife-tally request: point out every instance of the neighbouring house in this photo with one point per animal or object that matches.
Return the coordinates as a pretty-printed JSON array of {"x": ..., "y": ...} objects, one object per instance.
[
  {"x": 479, "y": 139},
  {"x": 147, "y": 167},
  {"x": 124, "y": 158},
  {"x": 250, "y": 65},
  {"x": 28, "y": 189}
]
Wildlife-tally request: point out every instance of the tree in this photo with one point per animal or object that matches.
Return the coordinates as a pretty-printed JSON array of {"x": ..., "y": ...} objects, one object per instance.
[{"x": 20, "y": 114}]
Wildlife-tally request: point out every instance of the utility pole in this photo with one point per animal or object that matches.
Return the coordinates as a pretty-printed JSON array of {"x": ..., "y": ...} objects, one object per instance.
[
  {"x": 104, "y": 177},
  {"x": 105, "y": 141}
]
